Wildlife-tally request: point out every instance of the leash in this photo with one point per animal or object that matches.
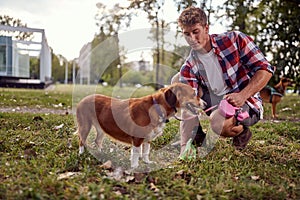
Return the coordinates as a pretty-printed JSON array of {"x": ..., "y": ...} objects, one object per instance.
[{"x": 193, "y": 116}]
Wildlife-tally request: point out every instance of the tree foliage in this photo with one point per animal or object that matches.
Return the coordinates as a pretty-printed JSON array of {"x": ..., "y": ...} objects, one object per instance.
[
  {"x": 236, "y": 11},
  {"x": 278, "y": 33},
  {"x": 206, "y": 5},
  {"x": 111, "y": 20},
  {"x": 151, "y": 7},
  {"x": 275, "y": 26},
  {"x": 105, "y": 55},
  {"x": 10, "y": 21},
  {"x": 58, "y": 68}
]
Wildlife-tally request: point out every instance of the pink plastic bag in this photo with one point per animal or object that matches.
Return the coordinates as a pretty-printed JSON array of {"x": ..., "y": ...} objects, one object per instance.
[{"x": 227, "y": 110}]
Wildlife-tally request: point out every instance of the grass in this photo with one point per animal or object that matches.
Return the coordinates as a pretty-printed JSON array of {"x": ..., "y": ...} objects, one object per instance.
[
  {"x": 35, "y": 153},
  {"x": 62, "y": 96}
]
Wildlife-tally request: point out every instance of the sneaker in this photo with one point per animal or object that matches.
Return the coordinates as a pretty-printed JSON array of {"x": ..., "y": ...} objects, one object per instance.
[
  {"x": 240, "y": 141},
  {"x": 199, "y": 136}
]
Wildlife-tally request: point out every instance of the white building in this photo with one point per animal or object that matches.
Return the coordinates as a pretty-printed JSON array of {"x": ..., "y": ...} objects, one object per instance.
[
  {"x": 84, "y": 62},
  {"x": 15, "y": 55}
]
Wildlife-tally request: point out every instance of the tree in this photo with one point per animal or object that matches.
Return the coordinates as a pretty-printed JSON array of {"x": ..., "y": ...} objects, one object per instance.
[
  {"x": 9, "y": 21},
  {"x": 278, "y": 33},
  {"x": 182, "y": 4},
  {"x": 109, "y": 21},
  {"x": 275, "y": 26},
  {"x": 34, "y": 67},
  {"x": 237, "y": 11},
  {"x": 153, "y": 9},
  {"x": 58, "y": 68}
]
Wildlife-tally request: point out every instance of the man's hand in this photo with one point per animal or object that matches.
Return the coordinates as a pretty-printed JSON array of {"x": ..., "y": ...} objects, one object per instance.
[
  {"x": 257, "y": 82},
  {"x": 236, "y": 99}
]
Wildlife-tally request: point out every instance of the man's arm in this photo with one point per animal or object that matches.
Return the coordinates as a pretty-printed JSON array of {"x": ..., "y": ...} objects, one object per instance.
[
  {"x": 251, "y": 57},
  {"x": 256, "y": 84}
]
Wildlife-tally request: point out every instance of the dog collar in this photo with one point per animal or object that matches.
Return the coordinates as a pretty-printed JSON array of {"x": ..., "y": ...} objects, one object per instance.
[{"x": 162, "y": 118}]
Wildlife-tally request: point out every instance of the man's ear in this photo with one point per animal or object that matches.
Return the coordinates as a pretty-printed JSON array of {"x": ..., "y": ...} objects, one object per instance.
[
  {"x": 206, "y": 28},
  {"x": 170, "y": 97}
]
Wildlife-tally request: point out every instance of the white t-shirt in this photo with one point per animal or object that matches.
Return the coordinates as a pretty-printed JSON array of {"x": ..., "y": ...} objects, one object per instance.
[{"x": 214, "y": 73}]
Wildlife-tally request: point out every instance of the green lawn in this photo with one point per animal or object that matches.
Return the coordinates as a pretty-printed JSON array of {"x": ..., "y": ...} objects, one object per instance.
[{"x": 36, "y": 151}]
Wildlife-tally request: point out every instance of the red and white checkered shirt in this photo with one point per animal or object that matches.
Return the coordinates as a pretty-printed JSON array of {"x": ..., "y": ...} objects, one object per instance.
[{"x": 239, "y": 59}]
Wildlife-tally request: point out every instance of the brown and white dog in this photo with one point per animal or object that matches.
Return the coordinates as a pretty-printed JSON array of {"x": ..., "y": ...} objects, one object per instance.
[
  {"x": 273, "y": 95},
  {"x": 134, "y": 121}
]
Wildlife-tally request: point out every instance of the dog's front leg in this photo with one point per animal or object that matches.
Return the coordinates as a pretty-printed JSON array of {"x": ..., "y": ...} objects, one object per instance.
[
  {"x": 274, "y": 111},
  {"x": 146, "y": 152},
  {"x": 135, "y": 155}
]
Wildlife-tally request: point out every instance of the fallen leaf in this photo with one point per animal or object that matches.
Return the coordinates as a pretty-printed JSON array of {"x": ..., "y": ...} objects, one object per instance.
[
  {"x": 27, "y": 128},
  {"x": 153, "y": 187},
  {"x": 180, "y": 172},
  {"x": 58, "y": 127},
  {"x": 118, "y": 193},
  {"x": 286, "y": 109},
  {"x": 261, "y": 142},
  {"x": 67, "y": 175},
  {"x": 255, "y": 178},
  {"x": 106, "y": 165},
  {"x": 224, "y": 159},
  {"x": 129, "y": 179}
]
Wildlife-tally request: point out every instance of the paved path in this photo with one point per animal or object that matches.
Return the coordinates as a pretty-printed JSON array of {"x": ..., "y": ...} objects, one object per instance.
[{"x": 36, "y": 110}]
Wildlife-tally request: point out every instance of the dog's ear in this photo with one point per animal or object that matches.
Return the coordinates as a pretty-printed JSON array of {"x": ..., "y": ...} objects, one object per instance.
[
  {"x": 284, "y": 79},
  {"x": 170, "y": 97}
]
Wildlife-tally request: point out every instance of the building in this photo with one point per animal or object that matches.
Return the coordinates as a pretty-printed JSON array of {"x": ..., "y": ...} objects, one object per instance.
[
  {"x": 84, "y": 62},
  {"x": 15, "y": 58},
  {"x": 141, "y": 65}
]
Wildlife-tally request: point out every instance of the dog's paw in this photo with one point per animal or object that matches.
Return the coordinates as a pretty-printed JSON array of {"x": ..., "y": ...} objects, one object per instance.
[
  {"x": 275, "y": 116},
  {"x": 134, "y": 165},
  {"x": 147, "y": 161}
]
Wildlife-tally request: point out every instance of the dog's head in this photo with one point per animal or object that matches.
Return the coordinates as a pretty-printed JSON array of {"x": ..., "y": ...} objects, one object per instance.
[
  {"x": 179, "y": 95},
  {"x": 286, "y": 81}
]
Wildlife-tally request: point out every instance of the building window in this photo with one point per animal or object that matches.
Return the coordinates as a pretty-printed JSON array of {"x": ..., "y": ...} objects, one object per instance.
[{"x": 2, "y": 59}]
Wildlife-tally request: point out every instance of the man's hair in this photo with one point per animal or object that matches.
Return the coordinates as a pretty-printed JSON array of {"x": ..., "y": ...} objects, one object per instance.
[{"x": 191, "y": 16}]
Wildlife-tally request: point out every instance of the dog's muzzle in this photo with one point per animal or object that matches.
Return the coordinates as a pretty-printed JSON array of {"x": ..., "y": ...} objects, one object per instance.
[{"x": 192, "y": 108}]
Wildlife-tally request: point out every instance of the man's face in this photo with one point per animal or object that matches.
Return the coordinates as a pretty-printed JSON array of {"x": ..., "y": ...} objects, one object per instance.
[{"x": 196, "y": 36}]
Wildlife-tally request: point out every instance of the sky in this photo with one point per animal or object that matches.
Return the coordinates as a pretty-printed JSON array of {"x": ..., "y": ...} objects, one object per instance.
[{"x": 70, "y": 24}]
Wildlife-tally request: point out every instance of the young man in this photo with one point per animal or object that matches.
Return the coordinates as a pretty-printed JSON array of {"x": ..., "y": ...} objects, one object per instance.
[{"x": 225, "y": 66}]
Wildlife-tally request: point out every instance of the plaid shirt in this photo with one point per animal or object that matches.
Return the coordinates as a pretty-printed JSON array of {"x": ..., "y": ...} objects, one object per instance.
[{"x": 239, "y": 59}]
